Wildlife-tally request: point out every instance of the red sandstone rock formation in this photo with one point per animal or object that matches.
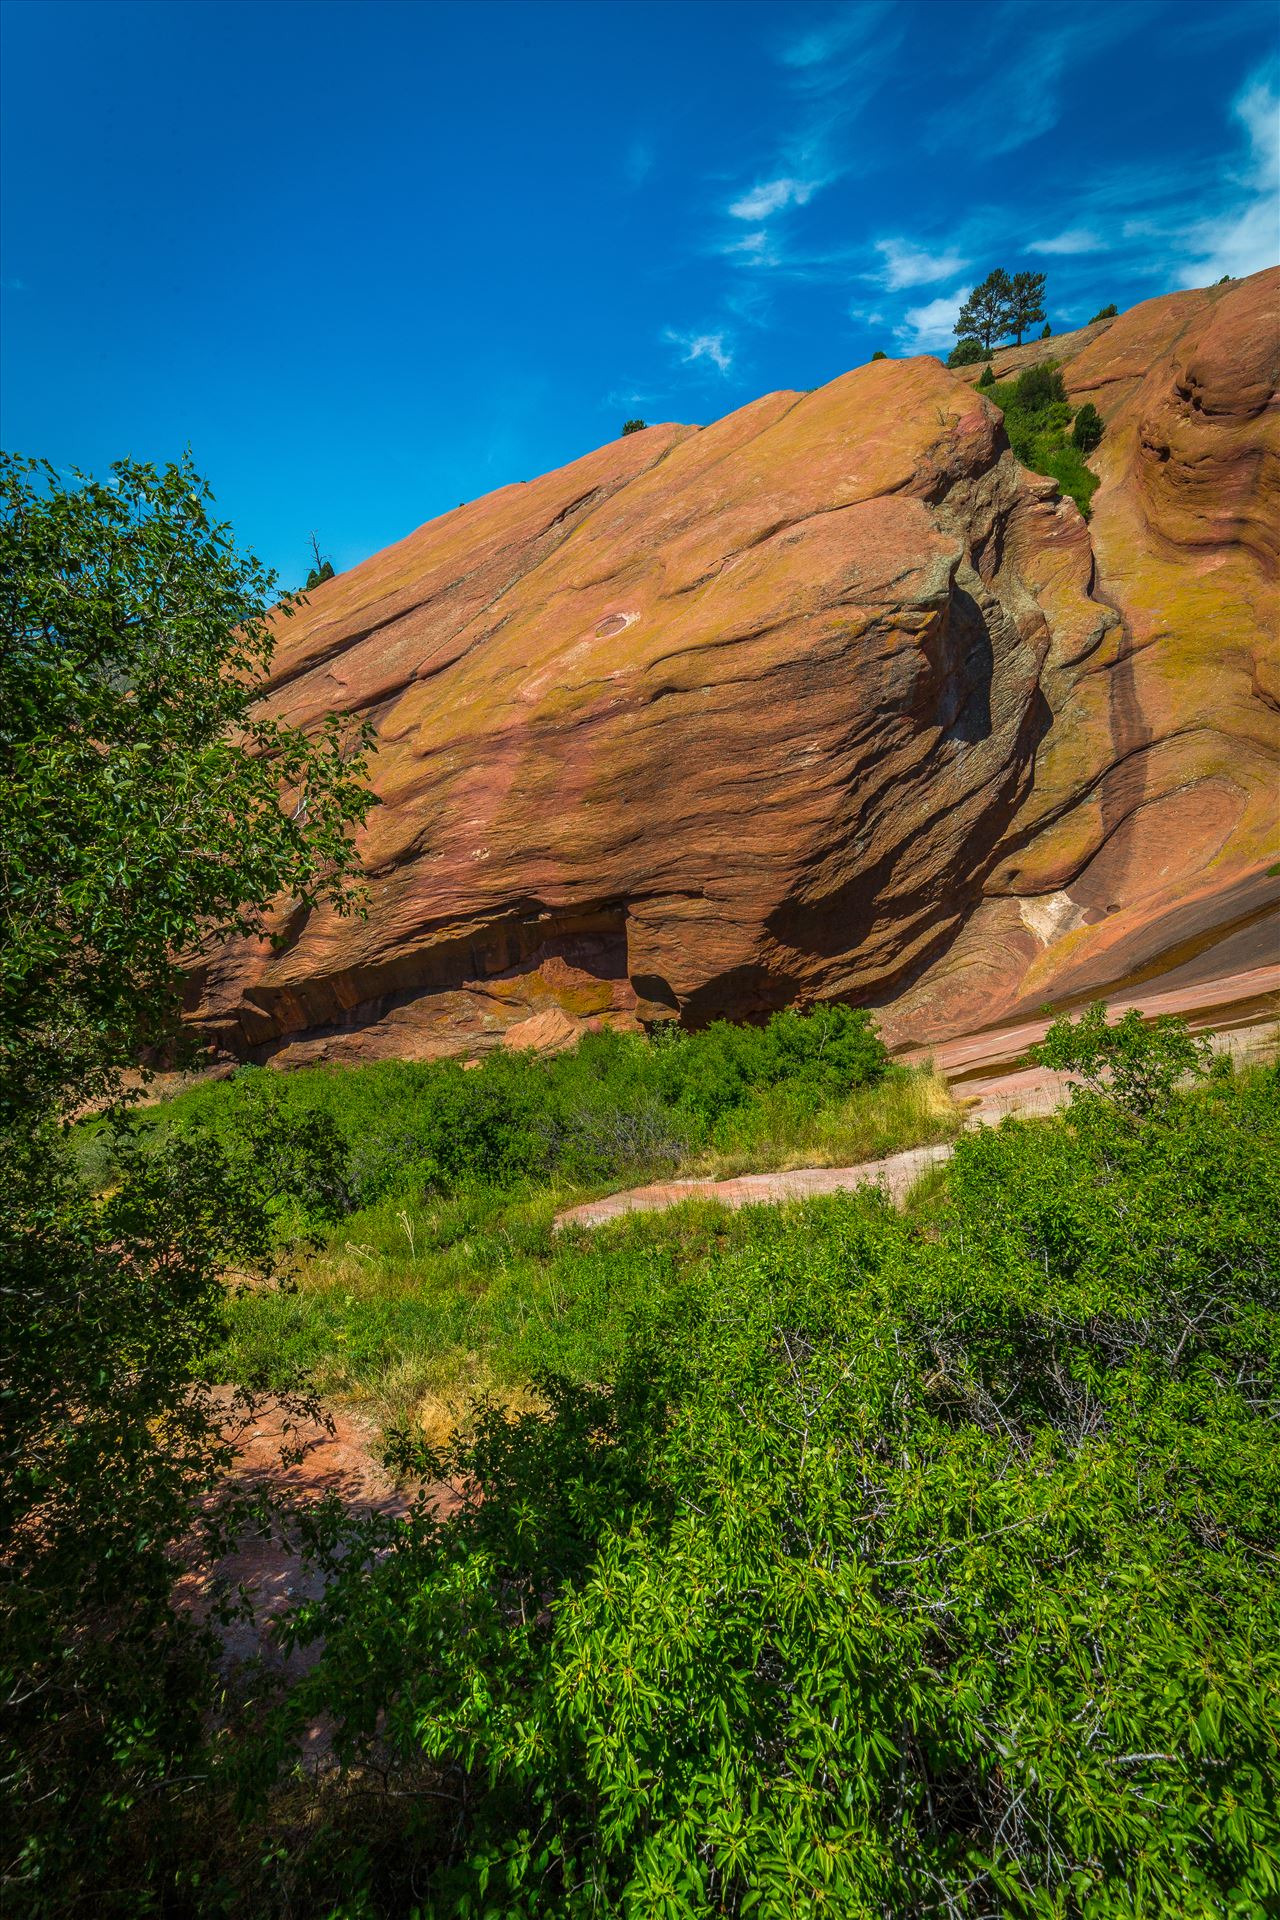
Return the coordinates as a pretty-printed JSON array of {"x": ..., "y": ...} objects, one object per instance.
[{"x": 830, "y": 699}]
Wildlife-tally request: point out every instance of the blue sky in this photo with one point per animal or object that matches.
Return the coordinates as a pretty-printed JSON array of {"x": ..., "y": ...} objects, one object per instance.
[{"x": 369, "y": 260}]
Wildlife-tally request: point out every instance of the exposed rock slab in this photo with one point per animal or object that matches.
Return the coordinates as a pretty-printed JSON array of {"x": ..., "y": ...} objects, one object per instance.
[
  {"x": 830, "y": 699},
  {"x": 895, "y": 1175},
  {"x": 1153, "y": 862}
]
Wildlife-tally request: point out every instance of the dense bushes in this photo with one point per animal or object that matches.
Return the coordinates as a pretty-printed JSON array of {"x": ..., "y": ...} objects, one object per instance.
[
  {"x": 896, "y": 1573},
  {"x": 1037, "y": 414},
  {"x": 614, "y": 1104}
]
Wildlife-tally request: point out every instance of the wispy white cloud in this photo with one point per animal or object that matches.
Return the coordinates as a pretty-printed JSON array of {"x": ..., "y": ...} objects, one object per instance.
[
  {"x": 618, "y": 400},
  {"x": 908, "y": 266},
  {"x": 701, "y": 346},
  {"x": 1236, "y": 231},
  {"x": 754, "y": 247},
  {"x": 1072, "y": 240},
  {"x": 1034, "y": 63},
  {"x": 1181, "y": 221},
  {"x": 868, "y": 316},
  {"x": 750, "y": 303},
  {"x": 772, "y": 197},
  {"x": 1242, "y": 238},
  {"x": 924, "y": 329},
  {"x": 1257, "y": 108},
  {"x": 833, "y": 67},
  {"x": 1242, "y": 244},
  {"x": 844, "y": 53},
  {"x": 820, "y": 44}
]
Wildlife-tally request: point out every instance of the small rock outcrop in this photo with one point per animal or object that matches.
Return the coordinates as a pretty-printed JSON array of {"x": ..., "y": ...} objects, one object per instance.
[{"x": 830, "y": 699}]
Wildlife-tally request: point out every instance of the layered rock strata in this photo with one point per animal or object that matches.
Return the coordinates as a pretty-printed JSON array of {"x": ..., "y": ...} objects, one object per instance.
[{"x": 830, "y": 699}]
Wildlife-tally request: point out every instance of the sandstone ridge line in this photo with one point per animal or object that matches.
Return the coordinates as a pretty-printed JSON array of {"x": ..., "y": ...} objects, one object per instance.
[{"x": 830, "y": 699}]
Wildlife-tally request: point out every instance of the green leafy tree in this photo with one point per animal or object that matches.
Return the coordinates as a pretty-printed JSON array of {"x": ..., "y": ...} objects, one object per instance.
[
  {"x": 986, "y": 315},
  {"x": 1087, "y": 429},
  {"x": 1025, "y": 303},
  {"x": 1127, "y": 1068},
  {"x": 148, "y": 809},
  {"x": 633, "y": 426},
  {"x": 966, "y": 353}
]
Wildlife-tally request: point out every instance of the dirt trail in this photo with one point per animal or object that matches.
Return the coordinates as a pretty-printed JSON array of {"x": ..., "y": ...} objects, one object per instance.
[
  {"x": 987, "y": 1073},
  {"x": 896, "y": 1174},
  {"x": 330, "y": 1456}
]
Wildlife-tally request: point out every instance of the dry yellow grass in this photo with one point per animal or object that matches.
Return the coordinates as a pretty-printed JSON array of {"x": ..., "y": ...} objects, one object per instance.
[{"x": 441, "y": 1414}]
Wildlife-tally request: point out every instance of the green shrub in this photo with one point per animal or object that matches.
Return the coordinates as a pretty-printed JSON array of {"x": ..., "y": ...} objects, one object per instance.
[
  {"x": 1039, "y": 387},
  {"x": 879, "y": 354},
  {"x": 1065, "y": 464},
  {"x": 1037, "y": 413},
  {"x": 615, "y": 1104},
  {"x": 896, "y": 1572},
  {"x": 966, "y": 353},
  {"x": 633, "y": 426},
  {"x": 1088, "y": 428},
  {"x": 1105, "y": 313},
  {"x": 987, "y": 378}
]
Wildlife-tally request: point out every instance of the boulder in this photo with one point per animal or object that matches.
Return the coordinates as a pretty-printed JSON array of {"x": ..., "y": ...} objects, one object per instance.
[{"x": 828, "y": 700}]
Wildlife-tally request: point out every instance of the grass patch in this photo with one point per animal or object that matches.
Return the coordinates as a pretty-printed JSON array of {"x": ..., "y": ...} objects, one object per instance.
[
  {"x": 487, "y": 1300},
  {"x": 908, "y": 1108},
  {"x": 414, "y": 1203},
  {"x": 1037, "y": 419}
]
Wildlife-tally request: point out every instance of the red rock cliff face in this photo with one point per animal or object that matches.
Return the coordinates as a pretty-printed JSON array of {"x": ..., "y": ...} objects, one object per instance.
[{"x": 828, "y": 700}]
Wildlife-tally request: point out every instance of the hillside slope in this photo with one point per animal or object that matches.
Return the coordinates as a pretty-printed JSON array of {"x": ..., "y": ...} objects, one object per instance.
[{"x": 827, "y": 699}]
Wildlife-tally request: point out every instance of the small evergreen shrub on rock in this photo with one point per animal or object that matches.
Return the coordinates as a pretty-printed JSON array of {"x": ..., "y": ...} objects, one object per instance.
[{"x": 1087, "y": 428}]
